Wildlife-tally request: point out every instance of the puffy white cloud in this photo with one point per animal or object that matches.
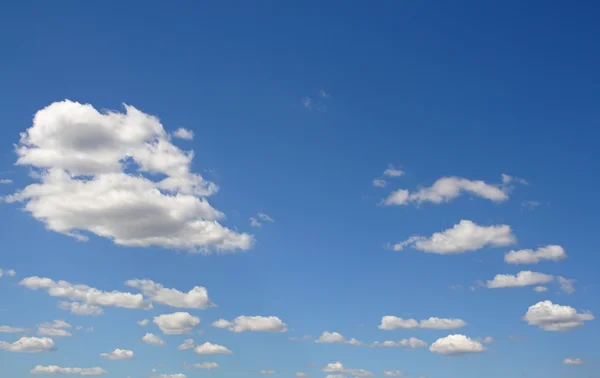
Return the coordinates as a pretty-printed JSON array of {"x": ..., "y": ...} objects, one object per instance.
[
  {"x": 566, "y": 285},
  {"x": 152, "y": 339},
  {"x": 337, "y": 367},
  {"x": 465, "y": 236},
  {"x": 86, "y": 294},
  {"x": 96, "y": 173},
  {"x": 182, "y": 133},
  {"x": 53, "y": 369},
  {"x": 442, "y": 323},
  {"x": 187, "y": 344},
  {"x": 143, "y": 322},
  {"x": 252, "y": 324},
  {"x": 389, "y": 322},
  {"x": 8, "y": 329},
  {"x": 210, "y": 348},
  {"x": 196, "y": 298},
  {"x": 176, "y": 323},
  {"x": 9, "y": 272},
  {"x": 554, "y": 317},
  {"x": 82, "y": 309},
  {"x": 29, "y": 345},
  {"x": 331, "y": 338},
  {"x": 412, "y": 342},
  {"x": 118, "y": 354},
  {"x": 267, "y": 371},
  {"x": 394, "y": 373},
  {"x": 203, "y": 365},
  {"x": 524, "y": 278},
  {"x": 530, "y": 256},
  {"x": 572, "y": 361},
  {"x": 540, "y": 289},
  {"x": 393, "y": 172},
  {"x": 455, "y": 345},
  {"x": 446, "y": 189}
]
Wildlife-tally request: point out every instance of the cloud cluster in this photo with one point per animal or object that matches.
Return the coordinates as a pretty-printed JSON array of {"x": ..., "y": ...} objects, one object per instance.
[
  {"x": 82, "y": 309},
  {"x": 530, "y": 256},
  {"x": 118, "y": 176},
  {"x": 196, "y": 298},
  {"x": 338, "y": 368},
  {"x": 252, "y": 324},
  {"x": 390, "y": 322},
  {"x": 58, "y": 329},
  {"x": 452, "y": 345},
  {"x": 260, "y": 219},
  {"x": 553, "y": 317},
  {"x": 118, "y": 354}
]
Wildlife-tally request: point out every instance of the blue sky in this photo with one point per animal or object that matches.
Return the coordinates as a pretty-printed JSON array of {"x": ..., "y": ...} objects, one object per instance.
[{"x": 295, "y": 109}]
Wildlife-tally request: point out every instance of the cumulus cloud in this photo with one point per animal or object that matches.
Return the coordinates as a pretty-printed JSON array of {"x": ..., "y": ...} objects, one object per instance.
[
  {"x": 466, "y": 236},
  {"x": 143, "y": 322},
  {"x": 338, "y": 368},
  {"x": 86, "y": 294},
  {"x": 182, "y": 133},
  {"x": 176, "y": 323},
  {"x": 566, "y": 285},
  {"x": 331, "y": 338},
  {"x": 203, "y": 365},
  {"x": 118, "y": 354},
  {"x": 572, "y": 361},
  {"x": 196, "y": 298},
  {"x": 446, "y": 189},
  {"x": 390, "y": 322},
  {"x": 187, "y": 344},
  {"x": 452, "y": 345},
  {"x": 152, "y": 339},
  {"x": 530, "y": 256},
  {"x": 412, "y": 342},
  {"x": 82, "y": 309},
  {"x": 53, "y": 369},
  {"x": 118, "y": 176},
  {"x": 394, "y": 373},
  {"x": 524, "y": 278},
  {"x": 393, "y": 172},
  {"x": 29, "y": 345},
  {"x": 553, "y": 317},
  {"x": 210, "y": 348},
  {"x": 8, "y": 329},
  {"x": 252, "y": 324}
]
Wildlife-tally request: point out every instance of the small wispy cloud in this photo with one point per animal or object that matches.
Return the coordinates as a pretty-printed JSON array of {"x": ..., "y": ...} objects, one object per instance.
[
  {"x": 324, "y": 94},
  {"x": 307, "y": 103},
  {"x": 6, "y": 181},
  {"x": 262, "y": 217}
]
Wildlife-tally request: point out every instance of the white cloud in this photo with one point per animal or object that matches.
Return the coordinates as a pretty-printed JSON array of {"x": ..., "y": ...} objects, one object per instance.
[
  {"x": 58, "y": 328},
  {"x": 335, "y": 376},
  {"x": 455, "y": 345},
  {"x": 210, "y": 348},
  {"x": 553, "y": 317},
  {"x": 196, "y": 298},
  {"x": 203, "y": 365},
  {"x": 29, "y": 345},
  {"x": 412, "y": 342},
  {"x": 9, "y": 272},
  {"x": 252, "y": 324},
  {"x": 8, "y": 329},
  {"x": 265, "y": 217},
  {"x": 143, "y": 322},
  {"x": 337, "y": 367},
  {"x": 331, "y": 338},
  {"x": 118, "y": 354},
  {"x": 389, "y": 323},
  {"x": 82, "y": 309},
  {"x": 53, "y": 369},
  {"x": 572, "y": 361},
  {"x": 440, "y": 323},
  {"x": 254, "y": 222},
  {"x": 187, "y": 344},
  {"x": 446, "y": 189},
  {"x": 566, "y": 285},
  {"x": 95, "y": 176},
  {"x": 530, "y": 256},
  {"x": 394, "y": 373},
  {"x": 176, "y": 323},
  {"x": 465, "y": 236},
  {"x": 379, "y": 183},
  {"x": 487, "y": 340},
  {"x": 185, "y": 134},
  {"x": 6, "y": 181},
  {"x": 506, "y": 179},
  {"x": 393, "y": 172},
  {"x": 177, "y": 375},
  {"x": 523, "y": 278},
  {"x": 540, "y": 289},
  {"x": 266, "y": 371},
  {"x": 152, "y": 339},
  {"x": 86, "y": 294}
]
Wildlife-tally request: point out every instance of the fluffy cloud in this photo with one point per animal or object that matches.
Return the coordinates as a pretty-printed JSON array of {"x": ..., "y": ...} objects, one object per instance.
[
  {"x": 196, "y": 298},
  {"x": 393, "y": 172},
  {"x": 29, "y": 345},
  {"x": 203, "y": 365},
  {"x": 152, "y": 339},
  {"x": 553, "y": 317},
  {"x": 530, "y": 256},
  {"x": 176, "y": 323},
  {"x": 331, "y": 338},
  {"x": 465, "y": 236},
  {"x": 572, "y": 361},
  {"x": 82, "y": 309},
  {"x": 118, "y": 354},
  {"x": 210, "y": 348},
  {"x": 394, "y": 373},
  {"x": 252, "y": 324},
  {"x": 86, "y": 294},
  {"x": 566, "y": 285},
  {"x": 338, "y": 368},
  {"x": 182, "y": 133},
  {"x": 187, "y": 344},
  {"x": 7, "y": 329},
  {"x": 96, "y": 175},
  {"x": 455, "y": 345},
  {"x": 53, "y": 369},
  {"x": 446, "y": 189},
  {"x": 524, "y": 278},
  {"x": 389, "y": 323},
  {"x": 412, "y": 342}
]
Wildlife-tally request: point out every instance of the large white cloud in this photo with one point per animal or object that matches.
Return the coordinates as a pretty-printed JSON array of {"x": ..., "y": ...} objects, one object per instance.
[
  {"x": 29, "y": 345},
  {"x": 530, "y": 256},
  {"x": 466, "y": 236},
  {"x": 176, "y": 323},
  {"x": 196, "y": 298},
  {"x": 118, "y": 354},
  {"x": 252, "y": 324},
  {"x": 455, "y": 345},
  {"x": 338, "y": 368},
  {"x": 210, "y": 348},
  {"x": 446, "y": 189},
  {"x": 524, "y": 278},
  {"x": 118, "y": 176},
  {"x": 390, "y": 322},
  {"x": 152, "y": 339},
  {"x": 86, "y": 294},
  {"x": 53, "y": 369},
  {"x": 554, "y": 317}
]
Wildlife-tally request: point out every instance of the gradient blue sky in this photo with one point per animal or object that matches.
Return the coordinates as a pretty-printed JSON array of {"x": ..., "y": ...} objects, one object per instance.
[{"x": 470, "y": 89}]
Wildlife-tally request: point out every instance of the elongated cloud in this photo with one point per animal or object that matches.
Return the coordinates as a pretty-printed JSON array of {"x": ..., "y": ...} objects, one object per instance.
[
  {"x": 118, "y": 354},
  {"x": 210, "y": 348},
  {"x": 29, "y": 345},
  {"x": 390, "y": 322},
  {"x": 203, "y": 365},
  {"x": 337, "y": 367},
  {"x": 196, "y": 298},
  {"x": 554, "y": 317},
  {"x": 252, "y": 324},
  {"x": 524, "y": 278},
  {"x": 530, "y": 256},
  {"x": 53, "y": 369}
]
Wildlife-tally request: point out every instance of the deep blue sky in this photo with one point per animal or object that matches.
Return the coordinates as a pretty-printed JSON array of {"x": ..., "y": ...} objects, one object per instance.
[{"x": 471, "y": 89}]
